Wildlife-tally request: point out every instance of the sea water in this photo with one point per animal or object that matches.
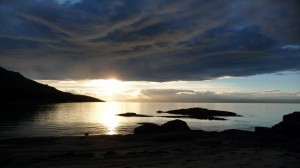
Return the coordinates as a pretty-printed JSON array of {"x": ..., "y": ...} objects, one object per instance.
[{"x": 75, "y": 119}]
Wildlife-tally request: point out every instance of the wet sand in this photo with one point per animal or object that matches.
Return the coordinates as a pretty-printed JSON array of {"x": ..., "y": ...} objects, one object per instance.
[{"x": 234, "y": 149}]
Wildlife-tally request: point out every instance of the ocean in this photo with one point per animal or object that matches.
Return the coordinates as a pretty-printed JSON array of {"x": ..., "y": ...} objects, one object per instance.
[{"x": 75, "y": 119}]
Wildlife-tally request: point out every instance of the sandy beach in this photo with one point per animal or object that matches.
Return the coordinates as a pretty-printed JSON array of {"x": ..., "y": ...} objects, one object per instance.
[{"x": 232, "y": 148}]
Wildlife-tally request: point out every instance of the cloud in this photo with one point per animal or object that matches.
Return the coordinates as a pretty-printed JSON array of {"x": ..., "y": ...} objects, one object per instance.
[
  {"x": 68, "y": 1},
  {"x": 182, "y": 95},
  {"x": 271, "y": 91},
  {"x": 291, "y": 47},
  {"x": 141, "y": 40}
]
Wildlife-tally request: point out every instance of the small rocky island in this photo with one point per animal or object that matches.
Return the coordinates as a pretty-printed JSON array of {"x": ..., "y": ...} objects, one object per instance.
[
  {"x": 199, "y": 113},
  {"x": 131, "y": 114}
]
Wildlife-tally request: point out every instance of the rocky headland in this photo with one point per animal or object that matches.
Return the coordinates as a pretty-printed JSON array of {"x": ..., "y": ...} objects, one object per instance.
[{"x": 17, "y": 89}]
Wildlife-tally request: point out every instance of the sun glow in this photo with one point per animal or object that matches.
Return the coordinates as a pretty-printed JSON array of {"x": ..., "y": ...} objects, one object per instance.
[{"x": 108, "y": 87}]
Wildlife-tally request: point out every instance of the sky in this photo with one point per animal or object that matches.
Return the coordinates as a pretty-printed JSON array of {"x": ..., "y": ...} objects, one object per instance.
[{"x": 166, "y": 50}]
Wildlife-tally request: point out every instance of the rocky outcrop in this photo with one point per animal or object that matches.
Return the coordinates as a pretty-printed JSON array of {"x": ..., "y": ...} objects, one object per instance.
[
  {"x": 290, "y": 125},
  {"x": 170, "y": 126},
  {"x": 132, "y": 115},
  {"x": 199, "y": 113}
]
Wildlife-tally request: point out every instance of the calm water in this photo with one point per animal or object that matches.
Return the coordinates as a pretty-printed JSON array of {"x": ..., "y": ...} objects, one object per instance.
[{"x": 100, "y": 118}]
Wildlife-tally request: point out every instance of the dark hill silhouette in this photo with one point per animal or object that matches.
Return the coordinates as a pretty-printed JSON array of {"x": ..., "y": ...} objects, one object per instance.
[{"x": 15, "y": 88}]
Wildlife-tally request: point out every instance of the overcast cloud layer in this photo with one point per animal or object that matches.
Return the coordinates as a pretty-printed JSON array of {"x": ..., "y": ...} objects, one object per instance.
[{"x": 145, "y": 40}]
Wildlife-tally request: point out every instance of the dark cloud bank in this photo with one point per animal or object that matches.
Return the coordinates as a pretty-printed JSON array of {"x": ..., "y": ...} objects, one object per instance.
[{"x": 149, "y": 40}]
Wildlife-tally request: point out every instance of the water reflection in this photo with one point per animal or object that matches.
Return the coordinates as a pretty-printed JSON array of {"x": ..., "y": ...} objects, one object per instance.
[
  {"x": 95, "y": 118},
  {"x": 107, "y": 116},
  {"x": 15, "y": 113},
  {"x": 73, "y": 119}
]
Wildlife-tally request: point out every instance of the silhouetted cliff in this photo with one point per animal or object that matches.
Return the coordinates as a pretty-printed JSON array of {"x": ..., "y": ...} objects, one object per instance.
[{"x": 15, "y": 88}]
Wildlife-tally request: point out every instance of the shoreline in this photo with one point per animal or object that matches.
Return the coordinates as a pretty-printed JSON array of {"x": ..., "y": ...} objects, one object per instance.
[
  {"x": 231, "y": 148},
  {"x": 172, "y": 145}
]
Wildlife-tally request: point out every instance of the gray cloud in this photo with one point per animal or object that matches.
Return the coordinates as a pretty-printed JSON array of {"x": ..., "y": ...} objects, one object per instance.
[{"x": 148, "y": 40}]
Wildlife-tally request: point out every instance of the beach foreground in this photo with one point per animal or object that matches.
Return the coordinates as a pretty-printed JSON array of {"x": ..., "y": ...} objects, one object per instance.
[{"x": 231, "y": 148}]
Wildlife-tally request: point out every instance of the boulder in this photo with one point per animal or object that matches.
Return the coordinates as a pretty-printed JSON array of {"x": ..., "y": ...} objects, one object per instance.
[
  {"x": 147, "y": 128},
  {"x": 175, "y": 125},
  {"x": 170, "y": 126}
]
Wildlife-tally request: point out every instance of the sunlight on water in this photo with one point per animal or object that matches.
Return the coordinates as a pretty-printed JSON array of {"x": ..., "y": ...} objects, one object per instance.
[{"x": 107, "y": 116}]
